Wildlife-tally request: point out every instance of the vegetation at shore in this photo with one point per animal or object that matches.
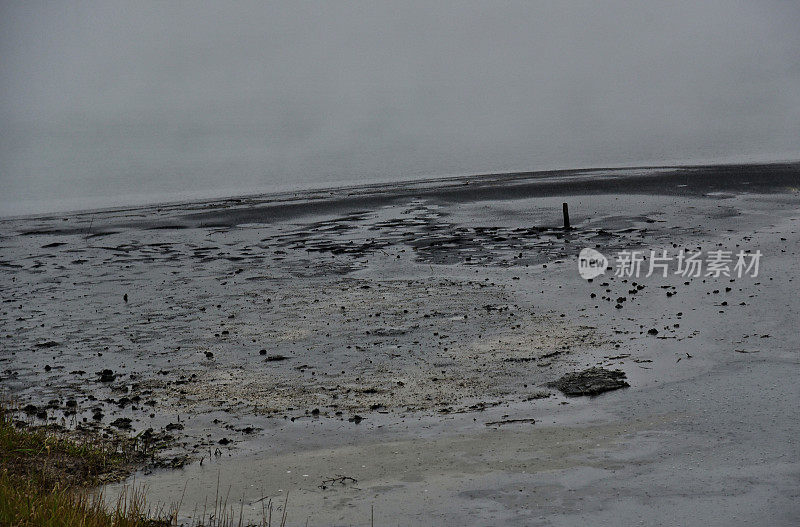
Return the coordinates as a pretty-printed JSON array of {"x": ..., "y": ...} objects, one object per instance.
[{"x": 46, "y": 476}]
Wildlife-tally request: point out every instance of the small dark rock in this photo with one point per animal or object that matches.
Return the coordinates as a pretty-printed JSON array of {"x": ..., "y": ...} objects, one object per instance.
[
  {"x": 106, "y": 375},
  {"x": 121, "y": 423}
]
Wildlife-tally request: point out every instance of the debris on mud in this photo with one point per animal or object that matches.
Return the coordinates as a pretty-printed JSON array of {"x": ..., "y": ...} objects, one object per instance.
[
  {"x": 337, "y": 479},
  {"x": 510, "y": 422},
  {"x": 592, "y": 381},
  {"x": 276, "y": 358}
]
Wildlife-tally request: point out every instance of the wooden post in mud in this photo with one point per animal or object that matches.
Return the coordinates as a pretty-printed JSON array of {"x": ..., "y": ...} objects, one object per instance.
[{"x": 566, "y": 216}]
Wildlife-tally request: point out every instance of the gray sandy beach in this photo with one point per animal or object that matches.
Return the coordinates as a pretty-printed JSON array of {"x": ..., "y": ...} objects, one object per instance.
[{"x": 389, "y": 351}]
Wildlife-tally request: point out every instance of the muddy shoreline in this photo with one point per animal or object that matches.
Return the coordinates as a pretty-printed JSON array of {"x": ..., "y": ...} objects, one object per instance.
[{"x": 256, "y": 330}]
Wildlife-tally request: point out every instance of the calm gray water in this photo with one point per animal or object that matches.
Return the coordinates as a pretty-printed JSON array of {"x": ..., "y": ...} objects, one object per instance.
[{"x": 108, "y": 103}]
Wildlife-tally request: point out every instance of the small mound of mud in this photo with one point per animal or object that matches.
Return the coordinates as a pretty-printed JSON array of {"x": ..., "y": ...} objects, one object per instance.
[{"x": 593, "y": 381}]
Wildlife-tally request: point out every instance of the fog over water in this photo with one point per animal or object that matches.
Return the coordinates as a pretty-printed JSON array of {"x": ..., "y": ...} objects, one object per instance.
[{"x": 106, "y": 103}]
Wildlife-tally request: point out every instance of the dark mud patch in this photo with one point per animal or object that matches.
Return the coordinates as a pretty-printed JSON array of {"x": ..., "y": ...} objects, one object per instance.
[
  {"x": 168, "y": 227},
  {"x": 593, "y": 381}
]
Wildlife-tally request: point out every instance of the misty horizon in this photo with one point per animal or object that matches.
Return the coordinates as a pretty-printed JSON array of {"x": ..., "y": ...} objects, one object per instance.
[{"x": 115, "y": 103}]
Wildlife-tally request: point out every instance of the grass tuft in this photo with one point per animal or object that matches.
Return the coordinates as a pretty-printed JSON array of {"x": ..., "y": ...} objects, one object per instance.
[{"x": 23, "y": 503}]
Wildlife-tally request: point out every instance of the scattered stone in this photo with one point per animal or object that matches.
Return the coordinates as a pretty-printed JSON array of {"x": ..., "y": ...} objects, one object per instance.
[
  {"x": 592, "y": 381},
  {"x": 106, "y": 375}
]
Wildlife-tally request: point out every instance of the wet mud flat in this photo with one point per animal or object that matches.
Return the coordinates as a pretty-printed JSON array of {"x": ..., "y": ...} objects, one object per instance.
[{"x": 270, "y": 330}]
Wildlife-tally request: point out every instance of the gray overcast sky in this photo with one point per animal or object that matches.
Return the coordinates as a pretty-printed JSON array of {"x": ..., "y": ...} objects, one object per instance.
[{"x": 105, "y": 102}]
